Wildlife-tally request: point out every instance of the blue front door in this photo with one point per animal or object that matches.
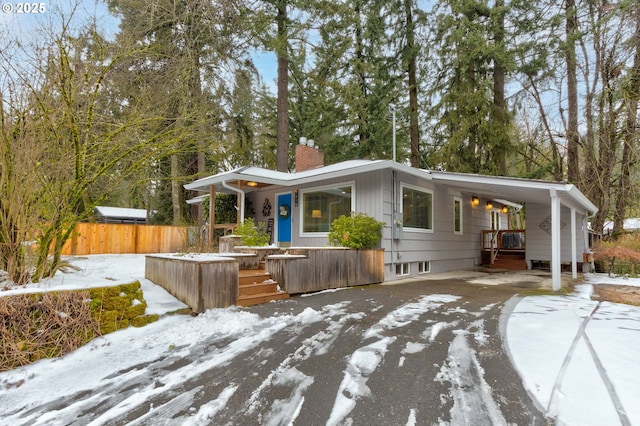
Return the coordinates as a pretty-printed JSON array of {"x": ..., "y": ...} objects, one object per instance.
[{"x": 284, "y": 219}]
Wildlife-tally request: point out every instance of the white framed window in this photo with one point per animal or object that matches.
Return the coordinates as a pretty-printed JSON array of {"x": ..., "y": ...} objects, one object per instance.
[
  {"x": 417, "y": 208},
  {"x": 457, "y": 215},
  {"x": 424, "y": 267},
  {"x": 402, "y": 269},
  {"x": 320, "y": 206}
]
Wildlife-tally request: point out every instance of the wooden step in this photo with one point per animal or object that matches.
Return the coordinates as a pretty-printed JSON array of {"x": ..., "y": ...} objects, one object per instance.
[
  {"x": 253, "y": 276},
  {"x": 510, "y": 263},
  {"x": 256, "y": 287},
  {"x": 256, "y": 299}
]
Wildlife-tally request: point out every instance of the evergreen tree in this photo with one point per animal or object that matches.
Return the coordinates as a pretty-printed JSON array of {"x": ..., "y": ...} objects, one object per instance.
[
  {"x": 357, "y": 77},
  {"x": 472, "y": 125},
  {"x": 185, "y": 46}
]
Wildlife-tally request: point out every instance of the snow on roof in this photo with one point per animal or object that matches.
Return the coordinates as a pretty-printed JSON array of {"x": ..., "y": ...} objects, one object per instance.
[
  {"x": 121, "y": 212},
  {"x": 629, "y": 224}
]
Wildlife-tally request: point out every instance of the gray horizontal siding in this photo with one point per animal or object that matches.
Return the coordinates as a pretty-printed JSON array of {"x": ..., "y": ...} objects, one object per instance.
[
  {"x": 446, "y": 251},
  {"x": 539, "y": 241}
]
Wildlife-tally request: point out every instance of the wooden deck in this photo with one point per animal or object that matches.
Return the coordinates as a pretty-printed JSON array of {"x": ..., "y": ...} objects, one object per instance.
[
  {"x": 504, "y": 249},
  {"x": 511, "y": 260}
]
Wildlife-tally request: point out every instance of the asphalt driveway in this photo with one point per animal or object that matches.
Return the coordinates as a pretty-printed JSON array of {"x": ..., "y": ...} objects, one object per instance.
[
  {"x": 415, "y": 352},
  {"x": 423, "y": 352}
]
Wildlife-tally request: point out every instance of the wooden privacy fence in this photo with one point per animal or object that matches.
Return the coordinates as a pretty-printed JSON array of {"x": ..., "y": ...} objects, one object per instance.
[{"x": 116, "y": 238}]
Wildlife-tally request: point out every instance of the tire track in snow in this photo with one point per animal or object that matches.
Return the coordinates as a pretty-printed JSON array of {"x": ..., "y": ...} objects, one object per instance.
[
  {"x": 284, "y": 411},
  {"x": 364, "y": 361},
  {"x": 555, "y": 392},
  {"x": 473, "y": 403},
  {"x": 164, "y": 380}
]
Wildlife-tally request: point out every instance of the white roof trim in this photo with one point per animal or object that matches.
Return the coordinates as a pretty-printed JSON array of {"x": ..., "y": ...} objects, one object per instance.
[
  {"x": 197, "y": 200},
  {"x": 568, "y": 193},
  {"x": 500, "y": 187},
  {"x": 345, "y": 168}
]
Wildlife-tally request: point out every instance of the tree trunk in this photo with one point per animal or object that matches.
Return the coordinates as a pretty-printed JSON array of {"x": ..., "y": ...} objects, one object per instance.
[
  {"x": 414, "y": 132},
  {"x": 630, "y": 135},
  {"x": 573, "y": 137},
  {"x": 361, "y": 77},
  {"x": 196, "y": 81},
  {"x": 499, "y": 102},
  {"x": 282, "y": 144},
  {"x": 176, "y": 190}
]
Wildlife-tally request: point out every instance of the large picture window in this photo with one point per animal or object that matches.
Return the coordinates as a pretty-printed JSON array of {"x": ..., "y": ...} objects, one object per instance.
[
  {"x": 417, "y": 208},
  {"x": 321, "y": 206}
]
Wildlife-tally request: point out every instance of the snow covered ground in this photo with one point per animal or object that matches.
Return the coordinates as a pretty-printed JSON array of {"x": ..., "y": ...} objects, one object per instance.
[{"x": 578, "y": 358}]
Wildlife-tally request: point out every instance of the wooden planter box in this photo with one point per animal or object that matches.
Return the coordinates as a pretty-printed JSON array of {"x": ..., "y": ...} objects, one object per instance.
[
  {"x": 260, "y": 252},
  {"x": 304, "y": 270},
  {"x": 245, "y": 260},
  {"x": 202, "y": 282},
  {"x": 227, "y": 243}
]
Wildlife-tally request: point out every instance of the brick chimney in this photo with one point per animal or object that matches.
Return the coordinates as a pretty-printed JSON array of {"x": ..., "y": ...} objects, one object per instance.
[{"x": 308, "y": 156}]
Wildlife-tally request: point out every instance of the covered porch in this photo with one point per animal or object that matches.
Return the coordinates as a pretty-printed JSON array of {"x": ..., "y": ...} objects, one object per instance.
[
  {"x": 504, "y": 249},
  {"x": 556, "y": 216}
]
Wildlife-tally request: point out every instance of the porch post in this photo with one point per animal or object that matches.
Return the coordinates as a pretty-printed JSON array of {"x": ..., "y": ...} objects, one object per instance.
[
  {"x": 574, "y": 255},
  {"x": 240, "y": 213},
  {"x": 212, "y": 215},
  {"x": 556, "y": 278}
]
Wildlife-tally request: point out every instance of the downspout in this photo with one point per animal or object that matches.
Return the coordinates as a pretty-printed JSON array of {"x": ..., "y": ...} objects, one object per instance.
[
  {"x": 238, "y": 191},
  {"x": 585, "y": 228},
  {"x": 393, "y": 221},
  {"x": 574, "y": 244}
]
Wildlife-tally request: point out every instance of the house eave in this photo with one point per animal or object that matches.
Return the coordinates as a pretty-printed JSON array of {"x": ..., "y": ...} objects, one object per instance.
[
  {"x": 270, "y": 177},
  {"x": 518, "y": 190}
]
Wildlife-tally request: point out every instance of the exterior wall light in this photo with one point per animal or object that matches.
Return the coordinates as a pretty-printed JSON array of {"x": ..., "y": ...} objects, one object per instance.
[
  {"x": 475, "y": 201},
  {"x": 489, "y": 205},
  {"x": 504, "y": 209}
]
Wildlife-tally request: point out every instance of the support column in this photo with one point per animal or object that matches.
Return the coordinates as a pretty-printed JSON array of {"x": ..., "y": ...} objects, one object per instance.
[
  {"x": 212, "y": 215},
  {"x": 556, "y": 270},
  {"x": 574, "y": 246},
  {"x": 240, "y": 203}
]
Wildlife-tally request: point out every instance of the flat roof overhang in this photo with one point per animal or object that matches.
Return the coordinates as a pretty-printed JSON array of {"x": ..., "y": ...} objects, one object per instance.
[
  {"x": 520, "y": 191},
  {"x": 263, "y": 177}
]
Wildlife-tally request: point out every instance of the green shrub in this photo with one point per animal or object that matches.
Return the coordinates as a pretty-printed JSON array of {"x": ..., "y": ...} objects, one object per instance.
[
  {"x": 357, "y": 231},
  {"x": 252, "y": 235}
]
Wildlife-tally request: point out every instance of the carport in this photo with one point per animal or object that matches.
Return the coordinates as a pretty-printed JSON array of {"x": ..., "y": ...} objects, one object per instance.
[{"x": 539, "y": 195}]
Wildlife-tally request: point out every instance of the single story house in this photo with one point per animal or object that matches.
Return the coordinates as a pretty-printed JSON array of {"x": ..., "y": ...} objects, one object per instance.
[{"x": 434, "y": 221}]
